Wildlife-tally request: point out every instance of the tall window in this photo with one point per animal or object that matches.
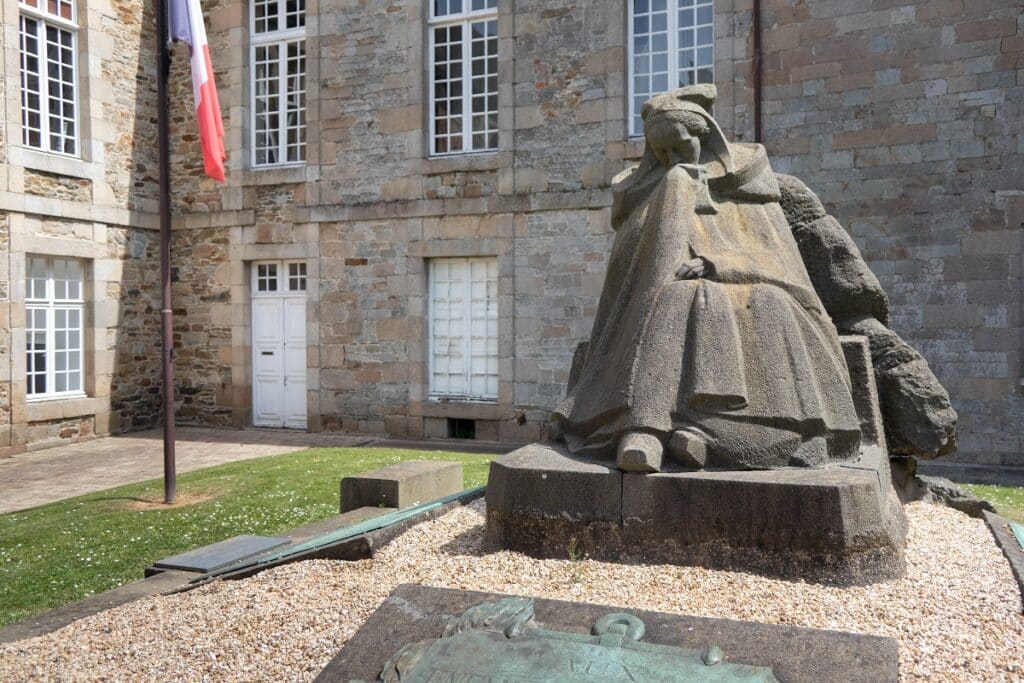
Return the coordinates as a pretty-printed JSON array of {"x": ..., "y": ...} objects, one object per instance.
[
  {"x": 278, "y": 58},
  {"x": 672, "y": 44},
  {"x": 49, "y": 89},
  {"x": 463, "y": 328},
  {"x": 463, "y": 55},
  {"x": 54, "y": 302}
]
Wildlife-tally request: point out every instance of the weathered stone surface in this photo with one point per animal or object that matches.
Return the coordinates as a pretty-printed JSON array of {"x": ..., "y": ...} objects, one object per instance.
[
  {"x": 584, "y": 492},
  {"x": 864, "y": 390},
  {"x": 401, "y": 485},
  {"x": 796, "y": 655},
  {"x": 839, "y": 524},
  {"x": 944, "y": 491},
  {"x": 919, "y": 419},
  {"x": 708, "y": 321},
  {"x": 842, "y": 279},
  {"x": 687, "y": 450}
]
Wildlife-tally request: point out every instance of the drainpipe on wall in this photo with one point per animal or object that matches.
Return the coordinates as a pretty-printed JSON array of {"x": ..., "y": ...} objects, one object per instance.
[{"x": 757, "y": 70}]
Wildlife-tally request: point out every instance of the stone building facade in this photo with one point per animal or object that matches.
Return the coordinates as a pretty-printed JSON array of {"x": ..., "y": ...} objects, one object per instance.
[{"x": 905, "y": 117}]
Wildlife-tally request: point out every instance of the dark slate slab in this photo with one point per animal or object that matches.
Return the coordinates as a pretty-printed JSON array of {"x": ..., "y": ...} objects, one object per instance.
[
  {"x": 414, "y": 613},
  {"x": 216, "y": 555}
]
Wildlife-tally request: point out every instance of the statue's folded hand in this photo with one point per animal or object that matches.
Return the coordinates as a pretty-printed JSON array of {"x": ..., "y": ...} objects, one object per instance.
[{"x": 693, "y": 269}]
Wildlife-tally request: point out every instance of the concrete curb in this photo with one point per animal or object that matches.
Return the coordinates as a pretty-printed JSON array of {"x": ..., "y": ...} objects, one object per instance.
[{"x": 1000, "y": 528}]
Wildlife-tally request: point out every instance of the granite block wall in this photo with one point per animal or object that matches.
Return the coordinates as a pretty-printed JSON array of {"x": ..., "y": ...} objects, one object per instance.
[{"x": 908, "y": 120}]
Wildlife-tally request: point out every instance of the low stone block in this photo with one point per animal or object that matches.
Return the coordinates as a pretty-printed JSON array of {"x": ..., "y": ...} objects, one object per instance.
[{"x": 401, "y": 485}]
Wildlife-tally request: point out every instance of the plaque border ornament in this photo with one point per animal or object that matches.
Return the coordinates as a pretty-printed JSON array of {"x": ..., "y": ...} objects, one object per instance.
[{"x": 500, "y": 642}]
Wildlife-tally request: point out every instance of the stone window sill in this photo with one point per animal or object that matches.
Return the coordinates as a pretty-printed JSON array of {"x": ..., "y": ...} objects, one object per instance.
[
  {"x": 275, "y": 175},
  {"x": 59, "y": 407},
  {"x": 473, "y": 161},
  {"x": 461, "y": 409},
  {"x": 56, "y": 164}
]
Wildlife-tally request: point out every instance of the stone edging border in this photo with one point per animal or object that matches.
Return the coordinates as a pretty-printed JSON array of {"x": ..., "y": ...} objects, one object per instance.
[{"x": 1000, "y": 528}]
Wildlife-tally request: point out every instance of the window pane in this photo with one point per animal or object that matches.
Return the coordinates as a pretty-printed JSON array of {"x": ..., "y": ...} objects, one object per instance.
[
  {"x": 672, "y": 45},
  {"x": 650, "y": 59},
  {"x": 296, "y": 277},
  {"x": 35, "y": 278},
  {"x": 31, "y": 83}
]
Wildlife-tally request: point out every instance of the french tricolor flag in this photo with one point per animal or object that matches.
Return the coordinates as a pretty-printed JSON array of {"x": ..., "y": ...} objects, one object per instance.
[{"x": 186, "y": 24}]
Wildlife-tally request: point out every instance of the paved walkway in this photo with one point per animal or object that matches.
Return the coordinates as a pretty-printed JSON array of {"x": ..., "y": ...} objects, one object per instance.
[{"x": 53, "y": 474}]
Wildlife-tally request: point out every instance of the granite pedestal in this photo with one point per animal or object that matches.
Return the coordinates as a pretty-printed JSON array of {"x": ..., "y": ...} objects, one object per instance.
[{"x": 841, "y": 524}]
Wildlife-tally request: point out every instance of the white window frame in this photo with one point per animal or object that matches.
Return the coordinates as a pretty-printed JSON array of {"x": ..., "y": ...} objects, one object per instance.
[
  {"x": 281, "y": 38},
  {"x": 491, "y": 314},
  {"x": 466, "y": 19},
  {"x": 45, "y": 18},
  {"x": 290, "y": 278},
  {"x": 673, "y": 68},
  {"x": 50, "y": 304}
]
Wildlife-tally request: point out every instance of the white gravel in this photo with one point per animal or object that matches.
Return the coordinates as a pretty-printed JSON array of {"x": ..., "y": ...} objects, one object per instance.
[{"x": 956, "y": 614}]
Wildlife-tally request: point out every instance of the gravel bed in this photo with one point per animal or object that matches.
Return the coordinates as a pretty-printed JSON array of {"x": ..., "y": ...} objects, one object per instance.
[{"x": 956, "y": 614}]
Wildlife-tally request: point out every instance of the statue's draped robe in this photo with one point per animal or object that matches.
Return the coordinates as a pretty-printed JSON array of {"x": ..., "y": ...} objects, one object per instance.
[{"x": 746, "y": 356}]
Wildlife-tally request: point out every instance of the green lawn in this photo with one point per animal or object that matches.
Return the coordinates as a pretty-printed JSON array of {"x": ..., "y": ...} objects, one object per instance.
[
  {"x": 62, "y": 552},
  {"x": 1008, "y": 500}
]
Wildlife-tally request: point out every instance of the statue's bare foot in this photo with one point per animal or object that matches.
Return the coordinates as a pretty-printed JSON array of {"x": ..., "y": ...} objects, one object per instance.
[
  {"x": 639, "y": 452},
  {"x": 688, "y": 448}
]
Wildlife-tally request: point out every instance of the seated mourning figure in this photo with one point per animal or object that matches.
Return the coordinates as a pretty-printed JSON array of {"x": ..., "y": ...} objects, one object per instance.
[
  {"x": 715, "y": 341},
  {"x": 716, "y": 416}
]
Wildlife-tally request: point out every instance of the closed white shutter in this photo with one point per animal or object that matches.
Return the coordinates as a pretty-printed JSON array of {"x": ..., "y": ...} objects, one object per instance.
[{"x": 463, "y": 320}]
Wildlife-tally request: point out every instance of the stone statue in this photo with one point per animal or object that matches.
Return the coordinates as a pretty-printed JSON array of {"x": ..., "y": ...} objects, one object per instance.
[
  {"x": 712, "y": 341},
  {"x": 716, "y": 363}
]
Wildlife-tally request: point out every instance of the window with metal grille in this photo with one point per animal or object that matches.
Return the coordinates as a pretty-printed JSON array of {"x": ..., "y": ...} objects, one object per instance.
[
  {"x": 49, "y": 80},
  {"x": 463, "y": 319},
  {"x": 278, "y": 64},
  {"x": 463, "y": 56},
  {"x": 54, "y": 326},
  {"x": 671, "y": 44}
]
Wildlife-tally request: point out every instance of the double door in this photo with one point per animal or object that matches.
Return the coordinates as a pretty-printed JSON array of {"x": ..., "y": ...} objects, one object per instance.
[{"x": 279, "y": 344}]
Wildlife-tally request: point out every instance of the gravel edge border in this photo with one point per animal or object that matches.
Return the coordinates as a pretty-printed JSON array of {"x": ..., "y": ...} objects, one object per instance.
[
  {"x": 1007, "y": 542},
  {"x": 170, "y": 582}
]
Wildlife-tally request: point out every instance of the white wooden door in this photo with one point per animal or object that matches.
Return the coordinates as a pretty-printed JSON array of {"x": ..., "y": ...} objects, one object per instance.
[{"x": 279, "y": 344}]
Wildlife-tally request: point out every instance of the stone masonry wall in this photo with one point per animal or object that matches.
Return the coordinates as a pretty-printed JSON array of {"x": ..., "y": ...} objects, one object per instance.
[
  {"x": 98, "y": 206},
  {"x": 135, "y": 385},
  {"x": 202, "y": 327},
  {"x": 908, "y": 120}
]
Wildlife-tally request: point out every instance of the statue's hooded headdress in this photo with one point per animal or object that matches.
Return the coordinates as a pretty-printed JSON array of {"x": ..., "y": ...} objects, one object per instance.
[{"x": 738, "y": 170}]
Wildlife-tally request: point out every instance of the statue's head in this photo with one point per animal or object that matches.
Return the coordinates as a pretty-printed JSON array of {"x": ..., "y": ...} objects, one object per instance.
[{"x": 679, "y": 129}]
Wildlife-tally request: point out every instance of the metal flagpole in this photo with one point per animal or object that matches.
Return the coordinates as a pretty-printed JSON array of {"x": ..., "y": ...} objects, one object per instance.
[{"x": 166, "y": 314}]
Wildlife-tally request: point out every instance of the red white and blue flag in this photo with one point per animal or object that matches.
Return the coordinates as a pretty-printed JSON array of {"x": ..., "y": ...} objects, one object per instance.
[{"x": 186, "y": 24}]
